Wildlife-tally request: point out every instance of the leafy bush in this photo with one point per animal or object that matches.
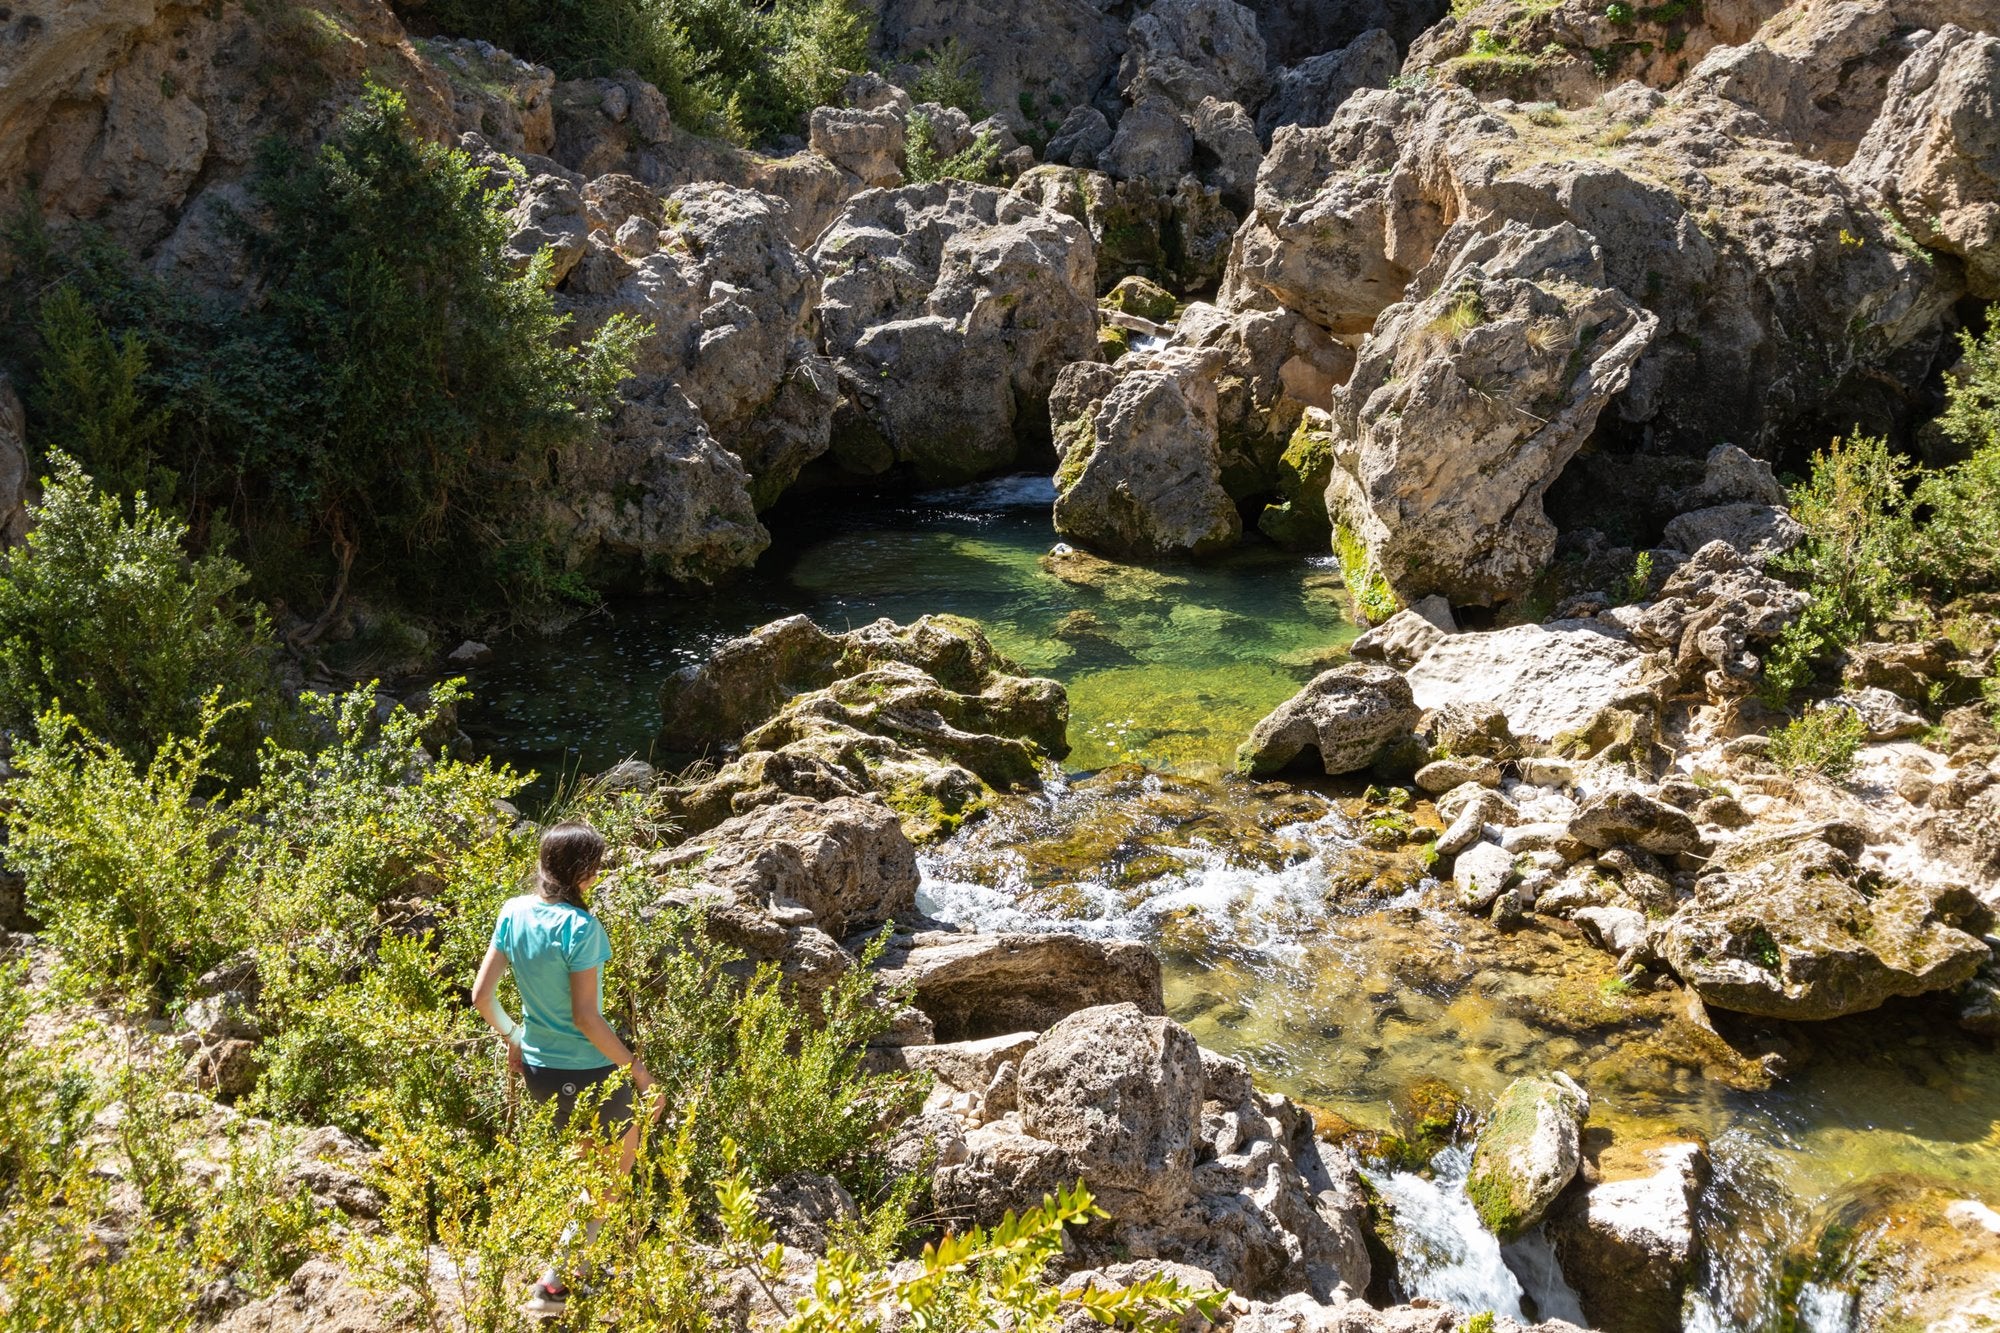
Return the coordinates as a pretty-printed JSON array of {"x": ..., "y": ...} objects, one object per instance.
[
  {"x": 979, "y": 162},
  {"x": 125, "y": 863},
  {"x": 437, "y": 380},
  {"x": 108, "y": 616},
  {"x": 1958, "y": 546},
  {"x": 393, "y": 394},
  {"x": 746, "y": 70},
  {"x": 1823, "y": 740},
  {"x": 945, "y": 76},
  {"x": 1856, "y": 511}
]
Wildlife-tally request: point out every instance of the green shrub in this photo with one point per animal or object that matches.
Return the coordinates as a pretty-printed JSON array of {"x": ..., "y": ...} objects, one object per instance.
[
  {"x": 945, "y": 76},
  {"x": 1855, "y": 560},
  {"x": 1823, "y": 740},
  {"x": 109, "y": 617},
  {"x": 979, "y": 162},
  {"x": 125, "y": 862},
  {"x": 92, "y": 402},
  {"x": 1958, "y": 546},
  {"x": 391, "y": 396},
  {"x": 750, "y": 71}
]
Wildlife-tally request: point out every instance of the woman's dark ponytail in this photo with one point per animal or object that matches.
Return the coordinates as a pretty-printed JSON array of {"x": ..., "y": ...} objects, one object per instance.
[{"x": 571, "y": 853}]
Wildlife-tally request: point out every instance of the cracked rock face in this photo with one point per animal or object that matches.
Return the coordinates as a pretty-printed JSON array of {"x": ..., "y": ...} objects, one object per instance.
[
  {"x": 1140, "y": 474},
  {"x": 1466, "y": 405},
  {"x": 948, "y": 310}
]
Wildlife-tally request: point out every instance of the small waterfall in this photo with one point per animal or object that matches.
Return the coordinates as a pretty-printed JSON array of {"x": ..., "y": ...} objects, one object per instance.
[{"x": 1444, "y": 1254}]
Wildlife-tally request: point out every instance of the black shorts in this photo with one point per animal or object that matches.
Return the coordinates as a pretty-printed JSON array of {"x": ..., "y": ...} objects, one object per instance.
[{"x": 564, "y": 1086}]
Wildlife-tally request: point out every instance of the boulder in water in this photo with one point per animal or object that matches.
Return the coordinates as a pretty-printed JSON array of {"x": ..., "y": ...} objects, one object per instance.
[
  {"x": 1628, "y": 1245},
  {"x": 975, "y": 986},
  {"x": 1346, "y": 715},
  {"x": 1527, "y": 1152}
]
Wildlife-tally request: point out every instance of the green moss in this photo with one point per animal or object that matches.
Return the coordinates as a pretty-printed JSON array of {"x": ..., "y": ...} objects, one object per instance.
[
  {"x": 1139, "y": 296},
  {"x": 1374, "y": 600},
  {"x": 1494, "y": 1202}
]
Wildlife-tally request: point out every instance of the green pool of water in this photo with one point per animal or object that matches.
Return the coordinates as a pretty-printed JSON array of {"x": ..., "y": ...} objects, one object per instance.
[{"x": 1172, "y": 666}]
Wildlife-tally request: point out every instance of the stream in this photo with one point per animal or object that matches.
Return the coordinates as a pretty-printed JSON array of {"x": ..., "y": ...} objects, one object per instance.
[{"x": 1292, "y": 936}]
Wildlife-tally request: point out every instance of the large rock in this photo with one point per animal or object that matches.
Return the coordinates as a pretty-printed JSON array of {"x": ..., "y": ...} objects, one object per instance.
[
  {"x": 926, "y": 714},
  {"x": 1346, "y": 715},
  {"x": 1788, "y": 928},
  {"x": 507, "y": 101},
  {"x": 948, "y": 310},
  {"x": 123, "y": 113},
  {"x": 1466, "y": 404},
  {"x": 1730, "y": 242},
  {"x": 1711, "y": 619},
  {"x": 1277, "y": 364},
  {"x": 978, "y": 986},
  {"x": 1934, "y": 153},
  {"x": 1118, "y": 1093},
  {"x": 1628, "y": 1245},
  {"x": 868, "y": 145},
  {"x": 1194, "y": 1164},
  {"x": 1186, "y": 50},
  {"x": 1761, "y": 531},
  {"x": 1549, "y": 680},
  {"x": 652, "y": 497},
  {"x": 1629, "y": 818},
  {"x": 728, "y": 301},
  {"x": 1141, "y": 471},
  {"x": 846, "y": 862},
  {"x": 1034, "y": 58},
  {"x": 1527, "y": 1151}
]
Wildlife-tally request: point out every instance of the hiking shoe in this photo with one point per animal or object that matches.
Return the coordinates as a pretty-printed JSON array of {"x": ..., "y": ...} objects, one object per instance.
[{"x": 547, "y": 1298}]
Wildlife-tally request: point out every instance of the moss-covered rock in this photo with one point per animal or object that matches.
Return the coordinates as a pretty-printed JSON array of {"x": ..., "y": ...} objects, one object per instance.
[
  {"x": 1134, "y": 295},
  {"x": 1527, "y": 1151}
]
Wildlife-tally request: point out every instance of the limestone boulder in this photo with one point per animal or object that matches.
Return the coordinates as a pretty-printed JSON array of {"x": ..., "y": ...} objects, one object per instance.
[
  {"x": 547, "y": 217},
  {"x": 1760, "y": 531},
  {"x": 1152, "y": 147},
  {"x": 1547, "y": 681},
  {"x": 1628, "y": 1244},
  {"x": 1933, "y": 154},
  {"x": 729, "y": 301},
  {"x": 1625, "y": 817},
  {"x": 1790, "y": 929},
  {"x": 1140, "y": 472},
  {"x": 1401, "y": 640},
  {"x": 652, "y": 498},
  {"x": 1178, "y": 236},
  {"x": 1184, "y": 51},
  {"x": 1527, "y": 1152},
  {"x": 846, "y": 861},
  {"x": 978, "y": 986},
  {"x": 1346, "y": 214},
  {"x": 926, "y": 714},
  {"x": 1466, "y": 405},
  {"x": 1195, "y": 1165},
  {"x": 1711, "y": 619},
  {"x": 948, "y": 311},
  {"x": 1345, "y": 717},
  {"x": 1035, "y": 58},
  {"x": 868, "y": 145}
]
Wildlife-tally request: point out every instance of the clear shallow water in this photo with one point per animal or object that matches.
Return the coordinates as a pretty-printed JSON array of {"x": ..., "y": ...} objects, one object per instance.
[
  {"x": 1332, "y": 969},
  {"x": 1346, "y": 980},
  {"x": 1172, "y": 666}
]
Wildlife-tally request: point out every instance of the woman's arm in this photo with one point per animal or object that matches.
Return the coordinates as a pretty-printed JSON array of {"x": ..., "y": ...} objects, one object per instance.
[
  {"x": 485, "y": 998},
  {"x": 588, "y": 1016}
]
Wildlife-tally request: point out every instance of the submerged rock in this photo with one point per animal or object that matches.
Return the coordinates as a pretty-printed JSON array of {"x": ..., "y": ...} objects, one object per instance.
[
  {"x": 1528, "y": 1150},
  {"x": 1346, "y": 716}
]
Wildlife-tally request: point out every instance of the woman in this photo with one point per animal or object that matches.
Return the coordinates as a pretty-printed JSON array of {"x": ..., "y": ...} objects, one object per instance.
[{"x": 557, "y": 950}]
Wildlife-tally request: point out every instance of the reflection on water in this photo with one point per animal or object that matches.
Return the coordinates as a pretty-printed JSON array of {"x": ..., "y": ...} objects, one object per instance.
[{"x": 1173, "y": 666}]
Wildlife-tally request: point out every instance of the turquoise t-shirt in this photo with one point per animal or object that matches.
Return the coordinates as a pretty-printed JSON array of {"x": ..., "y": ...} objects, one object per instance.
[{"x": 544, "y": 943}]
